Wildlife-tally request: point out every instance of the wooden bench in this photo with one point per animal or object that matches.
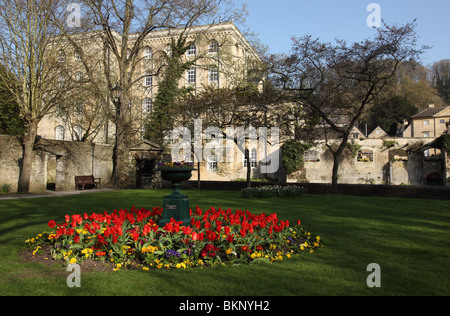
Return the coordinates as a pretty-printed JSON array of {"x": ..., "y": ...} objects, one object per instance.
[{"x": 81, "y": 181}]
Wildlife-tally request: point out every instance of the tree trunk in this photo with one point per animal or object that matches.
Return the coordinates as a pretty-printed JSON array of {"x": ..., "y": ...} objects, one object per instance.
[
  {"x": 336, "y": 156},
  {"x": 249, "y": 168},
  {"x": 334, "y": 175},
  {"x": 27, "y": 158}
]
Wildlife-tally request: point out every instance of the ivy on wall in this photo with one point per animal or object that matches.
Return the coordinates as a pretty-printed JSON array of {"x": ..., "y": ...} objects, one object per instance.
[{"x": 293, "y": 151}]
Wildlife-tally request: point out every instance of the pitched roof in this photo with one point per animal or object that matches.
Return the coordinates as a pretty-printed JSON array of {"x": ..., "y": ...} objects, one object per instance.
[{"x": 430, "y": 112}]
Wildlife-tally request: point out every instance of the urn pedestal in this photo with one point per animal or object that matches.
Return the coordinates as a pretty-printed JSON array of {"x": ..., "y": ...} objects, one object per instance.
[{"x": 176, "y": 205}]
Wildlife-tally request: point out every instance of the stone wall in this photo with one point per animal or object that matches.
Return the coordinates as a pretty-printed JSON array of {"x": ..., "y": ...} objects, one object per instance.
[
  {"x": 56, "y": 162},
  {"x": 377, "y": 163}
]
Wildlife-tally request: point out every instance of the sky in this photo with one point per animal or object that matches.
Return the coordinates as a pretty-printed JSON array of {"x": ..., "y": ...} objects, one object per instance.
[{"x": 275, "y": 22}]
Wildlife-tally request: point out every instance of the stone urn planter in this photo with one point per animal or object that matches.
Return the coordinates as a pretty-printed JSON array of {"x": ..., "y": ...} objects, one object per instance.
[{"x": 176, "y": 205}]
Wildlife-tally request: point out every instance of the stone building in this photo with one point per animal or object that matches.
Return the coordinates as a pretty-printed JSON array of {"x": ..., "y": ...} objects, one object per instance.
[
  {"x": 223, "y": 58},
  {"x": 431, "y": 122}
]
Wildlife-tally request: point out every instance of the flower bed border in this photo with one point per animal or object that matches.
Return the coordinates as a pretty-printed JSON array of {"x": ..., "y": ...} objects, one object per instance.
[{"x": 133, "y": 239}]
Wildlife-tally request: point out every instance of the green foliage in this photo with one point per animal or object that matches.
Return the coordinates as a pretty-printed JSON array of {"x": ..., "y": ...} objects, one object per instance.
[
  {"x": 292, "y": 157},
  {"x": 5, "y": 188},
  {"x": 389, "y": 143},
  {"x": 443, "y": 142},
  {"x": 392, "y": 112},
  {"x": 10, "y": 121},
  {"x": 269, "y": 191},
  {"x": 354, "y": 148},
  {"x": 165, "y": 104}
]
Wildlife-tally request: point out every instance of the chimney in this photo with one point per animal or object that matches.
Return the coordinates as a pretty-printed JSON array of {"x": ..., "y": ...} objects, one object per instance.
[{"x": 431, "y": 106}]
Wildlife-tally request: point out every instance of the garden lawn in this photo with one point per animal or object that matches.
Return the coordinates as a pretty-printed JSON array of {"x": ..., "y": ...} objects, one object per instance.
[{"x": 408, "y": 238}]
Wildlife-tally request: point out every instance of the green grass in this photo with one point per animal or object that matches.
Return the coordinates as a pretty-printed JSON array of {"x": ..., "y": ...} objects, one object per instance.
[{"x": 409, "y": 239}]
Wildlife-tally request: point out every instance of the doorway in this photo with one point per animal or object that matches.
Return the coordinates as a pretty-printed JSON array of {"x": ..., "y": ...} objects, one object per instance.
[{"x": 145, "y": 171}]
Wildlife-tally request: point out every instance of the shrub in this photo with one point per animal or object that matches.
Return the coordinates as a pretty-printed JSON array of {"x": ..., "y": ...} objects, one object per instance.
[
  {"x": 5, "y": 188},
  {"x": 269, "y": 191}
]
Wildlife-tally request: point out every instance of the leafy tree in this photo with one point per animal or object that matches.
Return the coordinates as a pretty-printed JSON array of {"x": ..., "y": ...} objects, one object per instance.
[
  {"x": 292, "y": 155},
  {"x": 389, "y": 114},
  {"x": 10, "y": 121},
  {"x": 165, "y": 106}
]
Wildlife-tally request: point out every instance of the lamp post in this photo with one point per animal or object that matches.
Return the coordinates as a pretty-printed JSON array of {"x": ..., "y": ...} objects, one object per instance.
[{"x": 116, "y": 95}]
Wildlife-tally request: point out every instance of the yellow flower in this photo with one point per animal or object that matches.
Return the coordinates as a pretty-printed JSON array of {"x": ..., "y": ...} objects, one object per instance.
[
  {"x": 145, "y": 268},
  {"x": 229, "y": 251},
  {"x": 73, "y": 260},
  {"x": 36, "y": 250}
]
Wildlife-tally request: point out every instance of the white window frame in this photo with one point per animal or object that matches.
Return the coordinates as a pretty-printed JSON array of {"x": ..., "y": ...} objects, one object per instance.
[
  {"x": 148, "y": 53},
  {"x": 426, "y": 122},
  {"x": 192, "y": 51},
  {"x": 147, "y": 105},
  {"x": 79, "y": 76},
  {"x": 78, "y": 132},
  {"x": 59, "y": 132},
  {"x": 213, "y": 47},
  {"x": 253, "y": 158},
  {"x": 211, "y": 163},
  {"x": 168, "y": 50},
  {"x": 191, "y": 75},
  {"x": 148, "y": 79},
  {"x": 61, "y": 56},
  {"x": 213, "y": 75}
]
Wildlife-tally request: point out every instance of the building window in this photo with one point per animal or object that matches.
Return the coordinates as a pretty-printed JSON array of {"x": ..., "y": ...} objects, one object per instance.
[
  {"x": 61, "y": 81},
  {"x": 311, "y": 156},
  {"x": 426, "y": 122},
  {"x": 441, "y": 122},
  {"x": 253, "y": 158},
  {"x": 148, "y": 79},
  {"x": 78, "y": 108},
  {"x": 365, "y": 156},
  {"x": 213, "y": 47},
  {"x": 78, "y": 76},
  {"x": 213, "y": 75},
  {"x": 78, "y": 132},
  {"x": 61, "y": 56},
  {"x": 77, "y": 57},
  {"x": 168, "y": 50},
  {"x": 191, "y": 75},
  {"x": 59, "y": 132},
  {"x": 148, "y": 53},
  {"x": 211, "y": 163},
  {"x": 192, "y": 51},
  {"x": 426, "y": 134},
  {"x": 147, "y": 106}
]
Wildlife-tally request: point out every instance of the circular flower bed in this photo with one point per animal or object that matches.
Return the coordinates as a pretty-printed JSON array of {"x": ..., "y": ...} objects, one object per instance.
[{"x": 133, "y": 239}]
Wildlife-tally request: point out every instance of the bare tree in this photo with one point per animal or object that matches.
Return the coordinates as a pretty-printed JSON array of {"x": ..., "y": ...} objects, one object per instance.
[
  {"x": 340, "y": 81},
  {"x": 34, "y": 69},
  {"x": 121, "y": 26}
]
